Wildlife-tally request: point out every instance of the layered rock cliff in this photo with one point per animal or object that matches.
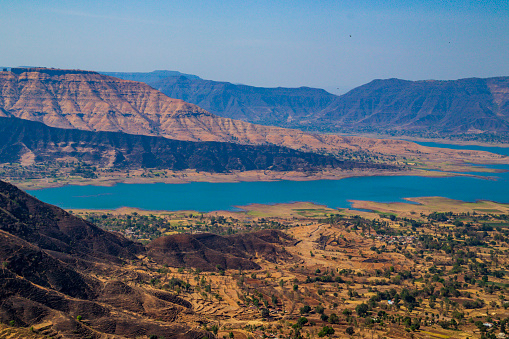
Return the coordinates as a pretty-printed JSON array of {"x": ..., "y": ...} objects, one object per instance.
[
  {"x": 93, "y": 102},
  {"x": 89, "y": 101}
]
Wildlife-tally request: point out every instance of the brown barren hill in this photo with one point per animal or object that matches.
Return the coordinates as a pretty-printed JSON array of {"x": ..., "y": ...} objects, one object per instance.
[
  {"x": 52, "y": 228},
  {"x": 44, "y": 285},
  {"x": 90, "y": 101},
  {"x": 209, "y": 252}
]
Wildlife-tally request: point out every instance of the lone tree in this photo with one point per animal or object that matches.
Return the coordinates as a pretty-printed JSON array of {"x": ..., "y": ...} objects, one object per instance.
[
  {"x": 362, "y": 310},
  {"x": 302, "y": 321}
]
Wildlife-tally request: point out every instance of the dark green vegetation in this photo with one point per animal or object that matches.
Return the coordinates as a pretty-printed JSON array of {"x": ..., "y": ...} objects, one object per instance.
[
  {"x": 442, "y": 273},
  {"x": 53, "y": 151},
  {"x": 466, "y": 109},
  {"x": 142, "y": 227}
]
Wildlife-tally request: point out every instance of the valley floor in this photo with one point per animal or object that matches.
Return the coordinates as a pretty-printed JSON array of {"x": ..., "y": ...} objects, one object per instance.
[{"x": 436, "y": 269}]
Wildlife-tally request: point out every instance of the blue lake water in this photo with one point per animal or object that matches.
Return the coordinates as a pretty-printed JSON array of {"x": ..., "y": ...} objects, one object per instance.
[
  {"x": 333, "y": 193},
  {"x": 499, "y": 150}
]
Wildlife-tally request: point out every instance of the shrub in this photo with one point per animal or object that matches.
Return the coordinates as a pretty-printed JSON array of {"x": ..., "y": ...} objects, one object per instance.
[
  {"x": 333, "y": 318},
  {"x": 302, "y": 321},
  {"x": 362, "y": 310},
  {"x": 326, "y": 330},
  {"x": 305, "y": 309}
]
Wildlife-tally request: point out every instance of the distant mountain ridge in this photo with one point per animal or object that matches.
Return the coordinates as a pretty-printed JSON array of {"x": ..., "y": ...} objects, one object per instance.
[
  {"x": 94, "y": 102},
  {"x": 149, "y": 77},
  {"x": 268, "y": 106},
  {"x": 446, "y": 107},
  {"x": 89, "y": 101},
  {"x": 427, "y": 108}
]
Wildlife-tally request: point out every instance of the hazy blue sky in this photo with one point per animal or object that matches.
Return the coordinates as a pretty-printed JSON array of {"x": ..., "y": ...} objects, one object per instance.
[{"x": 326, "y": 44}]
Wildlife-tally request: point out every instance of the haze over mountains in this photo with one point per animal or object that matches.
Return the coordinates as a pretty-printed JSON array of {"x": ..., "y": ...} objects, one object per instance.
[
  {"x": 444, "y": 107},
  {"x": 269, "y": 106},
  {"x": 149, "y": 77},
  {"x": 148, "y": 129},
  {"x": 422, "y": 108}
]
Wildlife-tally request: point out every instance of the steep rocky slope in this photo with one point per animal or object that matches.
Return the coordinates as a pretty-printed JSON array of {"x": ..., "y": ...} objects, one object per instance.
[
  {"x": 60, "y": 271},
  {"x": 52, "y": 228},
  {"x": 88, "y": 101}
]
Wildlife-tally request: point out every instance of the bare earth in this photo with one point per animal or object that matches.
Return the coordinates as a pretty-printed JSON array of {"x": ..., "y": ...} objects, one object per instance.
[{"x": 346, "y": 246}]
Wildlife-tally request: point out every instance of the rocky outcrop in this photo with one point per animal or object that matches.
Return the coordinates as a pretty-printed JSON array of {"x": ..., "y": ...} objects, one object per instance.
[
  {"x": 51, "y": 228},
  {"x": 89, "y": 101}
]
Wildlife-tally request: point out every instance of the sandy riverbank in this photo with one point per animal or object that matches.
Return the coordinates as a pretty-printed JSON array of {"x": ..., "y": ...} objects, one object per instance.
[{"x": 248, "y": 176}]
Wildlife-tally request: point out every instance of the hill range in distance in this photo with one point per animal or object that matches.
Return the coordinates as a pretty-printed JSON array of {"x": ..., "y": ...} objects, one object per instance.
[
  {"x": 150, "y": 130},
  {"x": 465, "y": 109}
]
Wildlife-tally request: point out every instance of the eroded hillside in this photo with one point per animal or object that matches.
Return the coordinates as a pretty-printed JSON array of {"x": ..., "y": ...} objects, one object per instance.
[{"x": 93, "y": 102}]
